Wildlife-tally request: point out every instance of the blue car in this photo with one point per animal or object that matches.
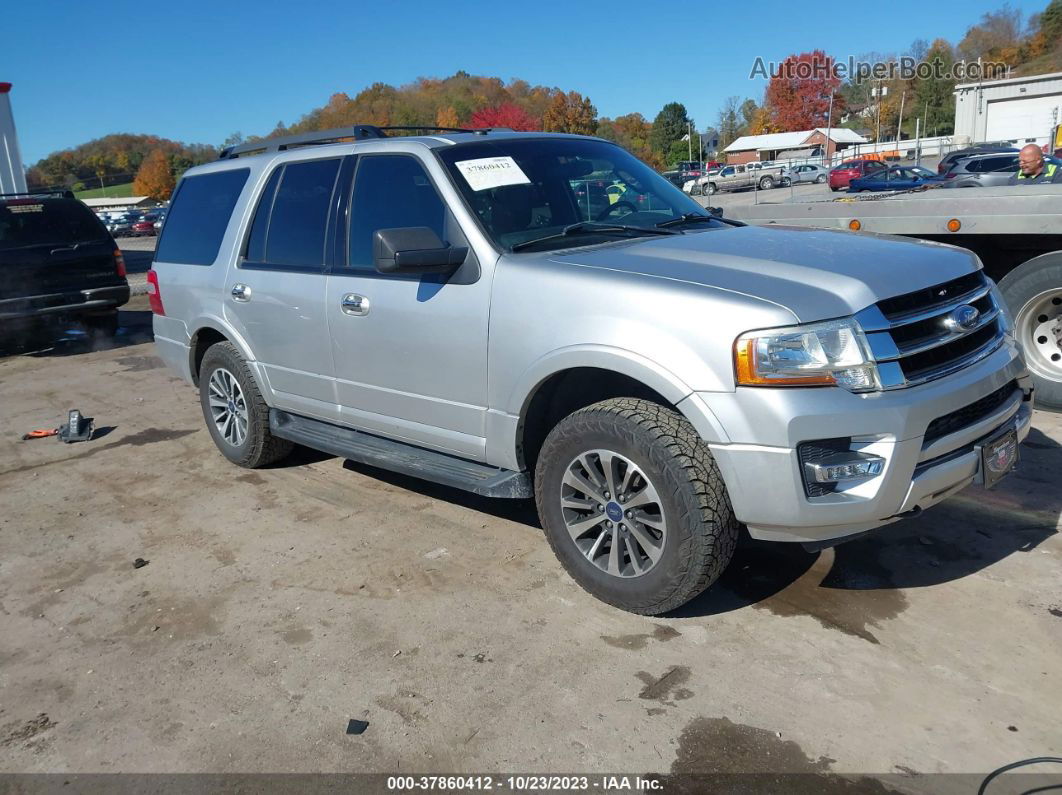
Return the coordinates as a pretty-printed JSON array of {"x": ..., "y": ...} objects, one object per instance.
[{"x": 895, "y": 178}]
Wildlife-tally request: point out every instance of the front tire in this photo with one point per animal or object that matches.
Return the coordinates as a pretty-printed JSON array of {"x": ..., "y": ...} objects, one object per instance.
[
  {"x": 236, "y": 415},
  {"x": 821, "y": 178},
  {"x": 1033, "y": 292},
  {"x": 634, "y": 506}
]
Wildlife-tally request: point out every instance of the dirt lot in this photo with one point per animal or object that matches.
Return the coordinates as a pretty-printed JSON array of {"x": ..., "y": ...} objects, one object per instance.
[{"x": 278, "y": 604}]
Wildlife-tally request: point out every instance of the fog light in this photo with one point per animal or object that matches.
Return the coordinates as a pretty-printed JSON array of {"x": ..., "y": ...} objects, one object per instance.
[{"x": 844, "y": 466}]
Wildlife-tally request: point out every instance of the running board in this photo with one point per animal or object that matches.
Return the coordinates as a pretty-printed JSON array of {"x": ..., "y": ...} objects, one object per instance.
[{"x": 399, "y": 457}]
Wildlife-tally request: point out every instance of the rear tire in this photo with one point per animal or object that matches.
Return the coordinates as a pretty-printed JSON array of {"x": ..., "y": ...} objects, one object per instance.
[
  {"x": 1033, "y": 292},
  {"x": 657, "y": 495},
  {"x": 236, "y": 415},
  {"x": 766, "y": 183},
  {"x": 711, "y": 188},
  {"x": 820, "y": 178}
]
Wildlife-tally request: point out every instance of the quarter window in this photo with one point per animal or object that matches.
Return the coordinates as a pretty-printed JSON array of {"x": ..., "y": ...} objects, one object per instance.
[{"x": 199, "y": 215}]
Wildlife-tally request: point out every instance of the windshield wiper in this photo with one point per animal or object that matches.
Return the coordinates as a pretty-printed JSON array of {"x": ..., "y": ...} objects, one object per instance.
[
  {"x": 685, "y": 218},
  {"x": 593, "y": 228}
]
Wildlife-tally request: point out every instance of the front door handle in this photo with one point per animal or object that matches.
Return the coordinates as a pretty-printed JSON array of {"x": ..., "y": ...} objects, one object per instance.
[
  {"x": 241, "y": 292},
  {"x": 354, "y": 304}
]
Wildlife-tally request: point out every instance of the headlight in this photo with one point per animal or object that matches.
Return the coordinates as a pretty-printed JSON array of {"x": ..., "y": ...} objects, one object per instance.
[{"x": 834, "y": 353}]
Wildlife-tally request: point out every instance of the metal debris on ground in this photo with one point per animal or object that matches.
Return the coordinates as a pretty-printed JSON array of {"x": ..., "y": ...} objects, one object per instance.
[
  {"x": 355, "y": 726},
  {"x": 77, "y": 428},
  {"x": 140, "y": 563}
]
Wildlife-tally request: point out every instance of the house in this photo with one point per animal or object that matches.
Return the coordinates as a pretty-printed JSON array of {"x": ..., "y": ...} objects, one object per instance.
[{"x": 790, "y": 145}]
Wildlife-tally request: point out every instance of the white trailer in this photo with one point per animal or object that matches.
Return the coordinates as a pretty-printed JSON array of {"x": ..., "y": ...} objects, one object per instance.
[
  {"x": 1015, "y": 230},
  {"x": 12, "y": 175}
]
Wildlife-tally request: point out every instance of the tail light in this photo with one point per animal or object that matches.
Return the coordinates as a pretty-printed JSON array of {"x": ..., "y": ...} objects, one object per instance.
[
  {"x": 154, "y": 296},
  {"x": 119, "y": 263}
]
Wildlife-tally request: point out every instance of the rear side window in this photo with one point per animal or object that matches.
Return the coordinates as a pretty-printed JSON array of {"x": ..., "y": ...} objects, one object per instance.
[
  {"x": 199, "y": 215},
  {"x": 1008, "y": 163},
  {"x": 291, "y": 223},
  {"x": 56, "y": 222}
]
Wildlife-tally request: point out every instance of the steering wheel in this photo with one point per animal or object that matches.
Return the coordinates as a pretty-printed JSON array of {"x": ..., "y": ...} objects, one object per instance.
[{"x": 613, "y": 207}]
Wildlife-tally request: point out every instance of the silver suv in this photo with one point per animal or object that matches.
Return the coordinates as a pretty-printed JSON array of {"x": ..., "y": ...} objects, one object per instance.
[{"x": 449, "y": 306}]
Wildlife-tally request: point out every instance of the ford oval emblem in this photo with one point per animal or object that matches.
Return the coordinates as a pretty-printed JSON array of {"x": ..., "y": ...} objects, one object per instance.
[{"x": 962, "y": 318}]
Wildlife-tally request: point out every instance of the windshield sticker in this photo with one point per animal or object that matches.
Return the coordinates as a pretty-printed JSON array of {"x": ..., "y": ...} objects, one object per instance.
[
  {"x": 491, "y": 172},
  {"x": 26, "y": 208}
]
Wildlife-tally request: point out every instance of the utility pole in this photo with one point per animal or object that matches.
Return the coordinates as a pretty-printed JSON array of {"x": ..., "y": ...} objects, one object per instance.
[
  {"x": 689, "y": 138},
  {"x": 877, "y": 128},
  {"x": 829, "y": 129},
  {"x": 899, "y": 124},
  {"x": 918, "y": 142}
]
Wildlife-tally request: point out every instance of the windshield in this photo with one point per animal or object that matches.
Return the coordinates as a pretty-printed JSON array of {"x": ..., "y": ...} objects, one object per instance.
[
  {"x": 54, "y": 222},
  {"x": 530, "y": 189}
]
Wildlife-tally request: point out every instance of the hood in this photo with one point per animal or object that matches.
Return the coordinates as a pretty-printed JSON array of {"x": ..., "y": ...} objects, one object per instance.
[{"x": 815, "y": 273}]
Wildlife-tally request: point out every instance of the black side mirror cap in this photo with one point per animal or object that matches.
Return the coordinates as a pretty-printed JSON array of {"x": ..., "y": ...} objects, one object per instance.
[{"x": 413, "y": 250}]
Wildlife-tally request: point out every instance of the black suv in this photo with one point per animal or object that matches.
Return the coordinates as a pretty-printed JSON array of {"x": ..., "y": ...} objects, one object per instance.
[{"x": 58, "y": 263}]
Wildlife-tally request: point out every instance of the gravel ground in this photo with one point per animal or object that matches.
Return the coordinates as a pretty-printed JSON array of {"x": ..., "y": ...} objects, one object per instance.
[{"x": 277, "y": 604}]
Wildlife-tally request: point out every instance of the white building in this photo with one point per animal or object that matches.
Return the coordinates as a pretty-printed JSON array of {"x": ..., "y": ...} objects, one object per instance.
[
  {"x": 103, "y": 205},
  {"x": 791, "y": 145},
  {"x": 1021, "y": 110}
]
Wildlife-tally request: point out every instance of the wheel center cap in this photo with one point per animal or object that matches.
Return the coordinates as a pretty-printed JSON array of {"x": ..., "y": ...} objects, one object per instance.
[
  {"x": 613, "y": 511},
  {"x": 232, "y": 407}
]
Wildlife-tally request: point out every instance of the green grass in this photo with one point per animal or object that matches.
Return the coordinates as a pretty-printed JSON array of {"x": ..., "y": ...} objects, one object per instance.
[{"x": 110, "y": 192}]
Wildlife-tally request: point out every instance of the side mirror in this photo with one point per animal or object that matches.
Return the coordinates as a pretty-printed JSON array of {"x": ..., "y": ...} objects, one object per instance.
[
  {"x": 414, "y": 249},
  {"x": 715, "y": 212}
]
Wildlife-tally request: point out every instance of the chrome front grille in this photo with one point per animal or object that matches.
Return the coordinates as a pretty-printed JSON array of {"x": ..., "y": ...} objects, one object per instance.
[{"x": 927, "y": 334}]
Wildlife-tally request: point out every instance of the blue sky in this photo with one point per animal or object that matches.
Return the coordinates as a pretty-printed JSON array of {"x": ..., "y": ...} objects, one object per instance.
[{"x": 197, "y": 71}]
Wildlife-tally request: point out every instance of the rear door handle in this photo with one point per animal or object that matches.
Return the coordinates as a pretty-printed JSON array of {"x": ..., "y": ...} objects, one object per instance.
[
  {"x": 354, "y": 304},
  {"x": 241, "y": 292}
]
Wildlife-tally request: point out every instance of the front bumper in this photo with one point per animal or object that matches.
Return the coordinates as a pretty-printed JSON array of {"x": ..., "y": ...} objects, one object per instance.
[{"x": 765, "y": 426}]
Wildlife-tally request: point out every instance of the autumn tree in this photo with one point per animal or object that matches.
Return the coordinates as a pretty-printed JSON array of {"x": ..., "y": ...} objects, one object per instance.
[
  {"x": 632, "y": 131},
  {"x": 508, "y": 115},
  {"x": 570, "y": 113},
  {"x": 447, "y": 117},
  {"x": 154, "y": 179},
  {"x": 799, "y": 92},
  {"x": 998, "y": 31}
]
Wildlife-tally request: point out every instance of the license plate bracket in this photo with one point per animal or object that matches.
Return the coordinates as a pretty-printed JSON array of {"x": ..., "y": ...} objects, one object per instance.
[{"x": 999, "y": 457}]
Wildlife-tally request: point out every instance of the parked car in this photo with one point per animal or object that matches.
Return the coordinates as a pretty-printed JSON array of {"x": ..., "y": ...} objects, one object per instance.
[
  {"x": 122, "y": 226},
  {"x": 949, "y": 159},
  {"x": 58, "y": 263},
  {"x": 740, "y": 177},
  {"x": 988, "y": 170},
  {"x": 895, "y": 178},
  {"x": 144, "y": 225},
  {"x": 699, "y": 185},
  {"x": 648, "y": 437},
  {"x": 841, "y": 175},
  {"x": 807, "y": 172}
]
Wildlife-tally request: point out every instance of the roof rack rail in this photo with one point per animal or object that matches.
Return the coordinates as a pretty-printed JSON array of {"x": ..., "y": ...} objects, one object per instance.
[
  {"x": 61, "y": 193},
  {"x": 358, "y": 132}
]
